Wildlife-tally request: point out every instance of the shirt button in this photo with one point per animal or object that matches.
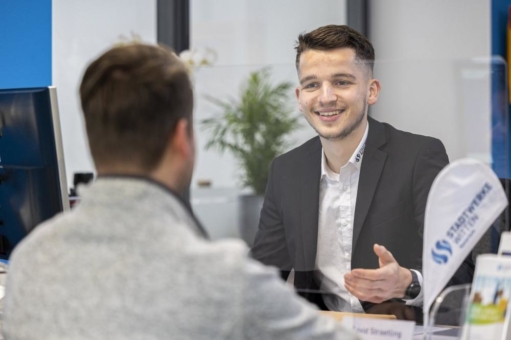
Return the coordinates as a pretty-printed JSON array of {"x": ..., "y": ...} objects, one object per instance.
[
  {"x": 344, "y": 223},
  {"x": 344, "y": 188}
]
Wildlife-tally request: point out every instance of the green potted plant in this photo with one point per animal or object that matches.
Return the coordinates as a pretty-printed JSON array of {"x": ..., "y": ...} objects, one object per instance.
[{"x": 253, "y": 127}]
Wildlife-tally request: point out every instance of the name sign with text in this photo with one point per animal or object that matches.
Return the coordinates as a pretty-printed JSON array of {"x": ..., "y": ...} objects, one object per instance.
[{"x": 379, "y": 329}]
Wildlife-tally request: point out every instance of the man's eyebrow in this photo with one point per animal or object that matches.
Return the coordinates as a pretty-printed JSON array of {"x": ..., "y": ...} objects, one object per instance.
[
  {"x": 333, "y": 76},
  {"x": 306, "y": 79},
  {"x": 344, "y": 75}
]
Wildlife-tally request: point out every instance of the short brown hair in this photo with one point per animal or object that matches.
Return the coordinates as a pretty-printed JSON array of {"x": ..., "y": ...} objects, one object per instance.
[
  {"x": 331, "y": 37},
  {"x": 132, "y": 98}
]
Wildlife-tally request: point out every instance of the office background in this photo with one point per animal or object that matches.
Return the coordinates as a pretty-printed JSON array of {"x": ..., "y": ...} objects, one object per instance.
[{"x": 434, "y": 59}]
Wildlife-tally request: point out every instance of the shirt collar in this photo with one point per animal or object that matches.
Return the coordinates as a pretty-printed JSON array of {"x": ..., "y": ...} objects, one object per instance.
[{"x": 355, "y": 159}]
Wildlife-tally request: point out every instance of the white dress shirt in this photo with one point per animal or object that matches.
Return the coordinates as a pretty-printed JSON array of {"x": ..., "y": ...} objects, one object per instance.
[{"x": 337, "y": 199}]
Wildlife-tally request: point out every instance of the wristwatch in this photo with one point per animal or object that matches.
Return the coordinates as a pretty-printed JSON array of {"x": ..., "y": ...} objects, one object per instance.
[{"x": 414, "y": 288}]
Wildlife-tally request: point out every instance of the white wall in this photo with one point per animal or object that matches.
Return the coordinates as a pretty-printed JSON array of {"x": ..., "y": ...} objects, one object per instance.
[
  {"x": 248, "y": 35},
  {"x": 82, "y": 30},
  {"x": 432, "y": 59}
]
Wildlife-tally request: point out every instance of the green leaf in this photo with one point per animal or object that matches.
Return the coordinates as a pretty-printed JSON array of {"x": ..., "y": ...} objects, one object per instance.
[{"x": 253, "y": 126}]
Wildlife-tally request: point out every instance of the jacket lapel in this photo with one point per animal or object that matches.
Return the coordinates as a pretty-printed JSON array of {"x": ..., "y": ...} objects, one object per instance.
[
  {"x": 309, "y": 206},
  {"x": 370, "y": 171}
]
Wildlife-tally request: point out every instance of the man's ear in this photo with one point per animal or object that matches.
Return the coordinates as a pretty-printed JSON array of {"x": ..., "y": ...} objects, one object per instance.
[
  {"x": 182, "y": 141},
  {"x": 297, "y": 94},
  {"x": 374, "y": 91}
]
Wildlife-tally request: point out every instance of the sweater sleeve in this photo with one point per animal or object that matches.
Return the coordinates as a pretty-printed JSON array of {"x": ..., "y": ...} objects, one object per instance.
[{"x": 272, "y": 310}]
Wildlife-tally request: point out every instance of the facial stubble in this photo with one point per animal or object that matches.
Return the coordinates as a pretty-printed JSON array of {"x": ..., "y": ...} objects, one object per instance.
[{"x": 347, "y": 130}]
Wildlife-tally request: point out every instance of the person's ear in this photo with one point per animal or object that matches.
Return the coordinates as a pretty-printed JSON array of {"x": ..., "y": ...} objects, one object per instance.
[
  {"x": 182, "y": 141},
  {"x": 374, "y": 91},
  {"x": 297, "y": 94}
]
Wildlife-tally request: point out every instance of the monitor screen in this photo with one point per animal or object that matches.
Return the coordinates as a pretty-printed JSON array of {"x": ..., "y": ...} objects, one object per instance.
[{"x": 33, "y": 184}]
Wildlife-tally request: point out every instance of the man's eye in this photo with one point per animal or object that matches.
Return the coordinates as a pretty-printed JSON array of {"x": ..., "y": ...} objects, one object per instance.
[
  {"x": 310, "y": 86},
  {"x": 343, "y": 83}
]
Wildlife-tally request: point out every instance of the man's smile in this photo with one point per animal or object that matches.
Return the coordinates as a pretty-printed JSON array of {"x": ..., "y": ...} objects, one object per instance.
[{"x": 329, "y": 115}]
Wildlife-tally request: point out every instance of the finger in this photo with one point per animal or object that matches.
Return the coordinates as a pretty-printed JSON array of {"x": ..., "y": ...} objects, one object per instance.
[
  {"x": 369, "y": 274},
  {"x": 365, "y": 284},
  {"x": 365, "y": 291},
  {"x": 383, "y": 254},
  {"x": 374, "y": 296}
]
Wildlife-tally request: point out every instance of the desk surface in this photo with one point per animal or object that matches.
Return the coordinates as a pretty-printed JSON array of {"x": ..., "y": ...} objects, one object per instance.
[{"x": 439, "y": 333}]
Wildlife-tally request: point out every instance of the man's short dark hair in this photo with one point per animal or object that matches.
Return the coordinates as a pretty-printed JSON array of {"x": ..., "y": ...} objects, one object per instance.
[
  {"x": 132, "y": 98},
  {"x": 332, "y": 37}
]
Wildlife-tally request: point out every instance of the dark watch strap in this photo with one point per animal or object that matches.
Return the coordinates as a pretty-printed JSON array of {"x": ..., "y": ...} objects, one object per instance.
[{"x": 414, "y": 288}]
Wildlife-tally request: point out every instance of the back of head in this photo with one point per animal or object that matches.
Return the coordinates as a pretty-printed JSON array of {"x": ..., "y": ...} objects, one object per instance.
[
  {"x": 132, "y": 97},
  {"x": 333, "y": 37}
]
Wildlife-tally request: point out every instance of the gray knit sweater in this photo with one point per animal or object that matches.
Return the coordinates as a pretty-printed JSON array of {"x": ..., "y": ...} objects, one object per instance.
[{"x": 128, "y": 263}]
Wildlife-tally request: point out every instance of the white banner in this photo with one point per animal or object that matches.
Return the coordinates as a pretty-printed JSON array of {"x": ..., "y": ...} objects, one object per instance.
[{"x": 464, "y": 200}]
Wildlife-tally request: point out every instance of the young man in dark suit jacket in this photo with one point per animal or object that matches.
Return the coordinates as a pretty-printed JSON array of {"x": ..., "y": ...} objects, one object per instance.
[{"x": 345, "y": 211}]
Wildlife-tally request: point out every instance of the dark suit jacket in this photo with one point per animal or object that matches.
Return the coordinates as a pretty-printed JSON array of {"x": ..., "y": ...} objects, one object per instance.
[{"x": 396, "y": 174}]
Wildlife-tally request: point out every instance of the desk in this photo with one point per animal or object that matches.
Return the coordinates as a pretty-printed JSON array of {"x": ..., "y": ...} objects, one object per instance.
[{"x": 439, "y": 333}]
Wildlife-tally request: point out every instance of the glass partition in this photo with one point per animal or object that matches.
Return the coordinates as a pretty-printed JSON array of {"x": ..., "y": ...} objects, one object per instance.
[{"x": 463, "y": 103}]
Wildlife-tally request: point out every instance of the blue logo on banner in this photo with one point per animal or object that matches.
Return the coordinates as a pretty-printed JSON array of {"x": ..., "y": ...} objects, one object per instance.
[{"x": 441, "y": 252}]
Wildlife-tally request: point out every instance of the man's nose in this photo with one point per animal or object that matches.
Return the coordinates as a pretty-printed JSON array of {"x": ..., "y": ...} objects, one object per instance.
[{"x": 327, "y": 95}]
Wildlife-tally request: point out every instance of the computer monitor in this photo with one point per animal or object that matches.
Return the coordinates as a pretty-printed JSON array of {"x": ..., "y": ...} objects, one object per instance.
[{"x": 33, "y": 185}]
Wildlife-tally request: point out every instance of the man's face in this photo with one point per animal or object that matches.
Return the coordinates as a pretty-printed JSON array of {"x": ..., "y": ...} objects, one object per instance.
[{"x": 334, "y": 92}]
